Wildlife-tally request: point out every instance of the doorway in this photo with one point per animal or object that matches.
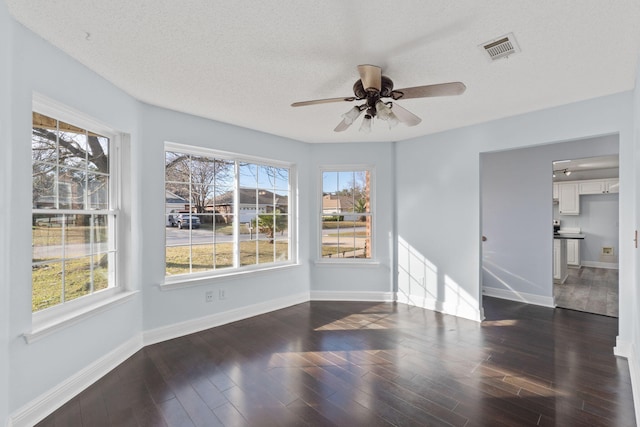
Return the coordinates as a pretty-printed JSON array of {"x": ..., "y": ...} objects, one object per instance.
[
  {"x": 516, "y": 217},
  {"x": 585, "y": 221}
]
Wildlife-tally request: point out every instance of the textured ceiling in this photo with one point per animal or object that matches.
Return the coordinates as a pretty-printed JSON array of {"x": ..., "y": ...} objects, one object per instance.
[{"x": 245, "y": 62}]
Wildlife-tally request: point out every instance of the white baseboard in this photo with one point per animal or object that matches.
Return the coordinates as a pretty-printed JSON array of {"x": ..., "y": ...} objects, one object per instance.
[
  {"x": 200, "y": 324},
  {"x": 598, "y": 264},
  {"x": 352, "y": 296},
  {"x": 465, "y": 311},
  {"x": 36, "y": 410},
  {"x": 518, "y": 296},
  {"x": 634, "y": 373}
]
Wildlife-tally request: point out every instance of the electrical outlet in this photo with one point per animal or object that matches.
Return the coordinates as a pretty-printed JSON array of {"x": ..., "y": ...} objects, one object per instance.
[
  {"x": 208, "y": 296},
  {"x": 222, "y": 293}
]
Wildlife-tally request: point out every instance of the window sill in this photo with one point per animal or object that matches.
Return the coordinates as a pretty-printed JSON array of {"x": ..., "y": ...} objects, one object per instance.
[
  {"x": 185, "y": 281},
  {"x": 42, "y": 329},
  {"x": 346, "y": 263}
]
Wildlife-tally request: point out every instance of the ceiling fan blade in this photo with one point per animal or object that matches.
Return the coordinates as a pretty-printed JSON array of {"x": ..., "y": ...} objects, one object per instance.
[
  {"x": 442, "y": 89},
  {"x": 323, "y": 101},
  {"x": 404, "y": 115},
  {"x": 371, "y": 76}
]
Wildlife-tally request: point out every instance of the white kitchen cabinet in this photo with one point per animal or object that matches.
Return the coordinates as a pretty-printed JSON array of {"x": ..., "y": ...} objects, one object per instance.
[
  {"x": 591, "y": 187},
  {"x": 555, "y": 191},
  {"x": 612, "y": 185},
  {"x": 573, "y": 252},
  {"x": 568, "y": 198}
]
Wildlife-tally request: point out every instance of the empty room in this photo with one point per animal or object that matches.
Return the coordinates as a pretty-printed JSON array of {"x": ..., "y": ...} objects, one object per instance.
[{"x": 306, "y": 213}]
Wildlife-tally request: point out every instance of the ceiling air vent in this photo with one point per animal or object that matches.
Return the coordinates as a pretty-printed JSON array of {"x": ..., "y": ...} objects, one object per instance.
[{"x": 501, "y": 47}]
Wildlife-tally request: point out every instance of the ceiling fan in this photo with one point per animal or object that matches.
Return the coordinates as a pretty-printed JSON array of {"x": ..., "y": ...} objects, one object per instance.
[{"x": 372, "y": 87}]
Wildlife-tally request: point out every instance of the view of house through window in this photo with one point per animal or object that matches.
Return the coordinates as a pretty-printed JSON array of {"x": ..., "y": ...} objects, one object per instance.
[
  {"x": 73, "y": 220},
  {"x": 346, "y": 214},
  {"x": 224, "y": 213}
]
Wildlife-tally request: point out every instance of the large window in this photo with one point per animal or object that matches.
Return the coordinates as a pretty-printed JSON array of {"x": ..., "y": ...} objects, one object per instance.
[
  {"x": 346, "y": 215},
  {"x": 73, "y": 212},
  {"x": 224, "y": 213}
]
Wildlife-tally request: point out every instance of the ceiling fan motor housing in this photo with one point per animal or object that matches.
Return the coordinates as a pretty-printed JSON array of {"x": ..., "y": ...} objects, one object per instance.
[
  {"x": 386, "y": 88},
  {"x": 372, "y": 95}
]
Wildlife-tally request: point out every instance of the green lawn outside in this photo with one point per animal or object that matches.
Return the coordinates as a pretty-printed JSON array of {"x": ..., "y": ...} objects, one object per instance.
[
  {"x": 180, "y": 260},
  {"x": 47, "y": 281}
]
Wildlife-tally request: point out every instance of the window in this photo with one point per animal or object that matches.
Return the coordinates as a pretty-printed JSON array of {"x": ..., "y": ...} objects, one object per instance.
[
  {"x": 73, "y": 212},
  {"x": 346, "y": 215},
  {"x": 224, "y": 213}
]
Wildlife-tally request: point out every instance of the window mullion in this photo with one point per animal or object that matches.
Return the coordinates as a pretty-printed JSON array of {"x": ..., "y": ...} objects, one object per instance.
[{"x": 236, "y": 214}]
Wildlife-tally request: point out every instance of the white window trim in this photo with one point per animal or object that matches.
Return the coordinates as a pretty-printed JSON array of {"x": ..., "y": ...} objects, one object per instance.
[
  {"x": 320, "y": 261},
  {"x": 49, "y": 320},
  {"x": 193, "y": 279}
]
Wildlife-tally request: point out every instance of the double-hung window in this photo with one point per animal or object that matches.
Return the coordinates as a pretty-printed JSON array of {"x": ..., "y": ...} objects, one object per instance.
[
  {"x": 346, "y": 215},
  {"x": 225, "y": 212},
  {"x": 73, "y": 210}
]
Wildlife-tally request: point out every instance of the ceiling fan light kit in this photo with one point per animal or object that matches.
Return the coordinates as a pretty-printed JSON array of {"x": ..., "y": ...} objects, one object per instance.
[{"x": 371, "y": 87}]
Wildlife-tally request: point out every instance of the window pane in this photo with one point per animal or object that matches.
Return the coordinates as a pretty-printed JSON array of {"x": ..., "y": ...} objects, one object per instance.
[
  {"x": 202, "y": 257},
  {"x": 223, "y": 228},
  {"x": 98, "y": 153},
  {"x": 248, "y": 252},
  {"x": 44, "y": 184},
  {"x": 72, "y": 146},
  {"x": 46, "y": 238},
  {"x": 100, "y": 232},
  {"x": 178, "y": 260},
  {"x": 281, "y": 178},
  {"x": 98, "y": 191},
  {"x": 44, "y": 139},
  {"x": 77, "y": 236},
  {"x": 71, "y": 188},
  {"x": 329, "y": 182},
  {"x": 203, "y": 170},
  {"x": 282, "y": 250},
  {"x": 77, "y": 278},
  {"x": 248, "y": 175},
  {"x": 177, "y": 167},
  {"x": 266, "y": 251},
  {"x": 101, "y": 272},
  {"x": 177, "y": 198},
  {"x": 223, "y": 255},
  {"x": 46, "y": 287}
]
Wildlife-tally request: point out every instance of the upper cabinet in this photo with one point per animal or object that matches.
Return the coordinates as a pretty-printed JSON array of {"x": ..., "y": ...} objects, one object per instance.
[
  {"x": 568, "y": 198},
  {"x": 612, "y": 185},
  {"x": 599, "y": 186},
  {"x": 568, "y": 192},
  {"x": 591, "y": 187}
]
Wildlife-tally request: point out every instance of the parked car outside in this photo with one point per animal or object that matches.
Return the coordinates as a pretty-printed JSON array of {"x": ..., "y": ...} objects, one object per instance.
[{"x": 186, "y": 221}]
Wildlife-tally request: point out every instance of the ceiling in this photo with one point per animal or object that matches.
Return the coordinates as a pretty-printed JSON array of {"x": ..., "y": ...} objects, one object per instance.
[
  {"x": 245, "y": 62},
  {"x": 586, "y": 168}
]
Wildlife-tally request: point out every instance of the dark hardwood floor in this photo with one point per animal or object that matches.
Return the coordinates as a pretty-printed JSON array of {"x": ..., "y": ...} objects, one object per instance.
[{"x": 372, "y": 364}]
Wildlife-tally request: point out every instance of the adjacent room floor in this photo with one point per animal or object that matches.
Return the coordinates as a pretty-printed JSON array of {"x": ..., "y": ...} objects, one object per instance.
[
  {"x": 372, "y": 364},
  {"x": 594, "y": 290}
]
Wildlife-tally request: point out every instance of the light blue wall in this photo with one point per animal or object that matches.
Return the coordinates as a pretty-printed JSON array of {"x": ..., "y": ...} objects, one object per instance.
[
  {"x": 38, "y": 67},
  {"x": 517, "y": 212},
  {"x": 438, "y": 191}
]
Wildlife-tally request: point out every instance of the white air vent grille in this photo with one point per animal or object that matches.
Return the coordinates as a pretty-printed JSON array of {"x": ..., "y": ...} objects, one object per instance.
[{"x": 501, "y": 47}]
